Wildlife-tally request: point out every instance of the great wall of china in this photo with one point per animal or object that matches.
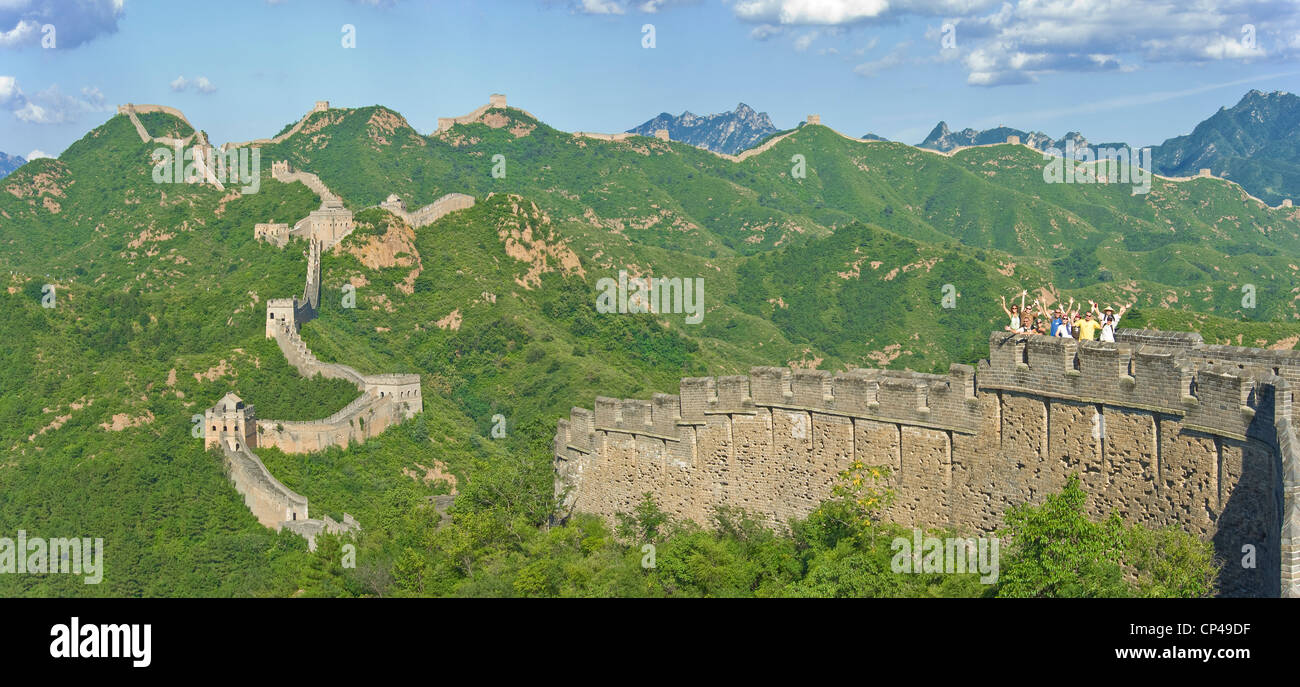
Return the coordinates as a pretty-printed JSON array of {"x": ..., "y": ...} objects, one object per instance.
[
  {"x": 385, "y": 399},
  {"x": 498, "y": 100},
  {"x": 1161, "y": 428}
]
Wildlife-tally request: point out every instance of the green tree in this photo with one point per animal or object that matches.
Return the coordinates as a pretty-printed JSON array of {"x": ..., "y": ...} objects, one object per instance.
[{"x": 1056, "y": 551}]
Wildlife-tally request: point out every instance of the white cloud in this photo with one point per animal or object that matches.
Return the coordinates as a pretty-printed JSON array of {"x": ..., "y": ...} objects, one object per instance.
[
  {"x": 50, "y": 106},
  {"x": 600, "y": 7},
  {"x": 896, "y": 56},
  {"x": 1018, "y": 43},
  {"x": 654, "y": 6},
  {"x": 8, "y": 89},
  {"x": 871, "y": 44},
  {"x": 24, "y": 32},
  {"x": 201, "y": 84},
  {"x": 618, "y": 7},
  {"x": 75, "y": 22},
  {"x": 1003, "y": 42},
  {"x": 845, "y": 12},
  {"x": 37, "y": 154}
]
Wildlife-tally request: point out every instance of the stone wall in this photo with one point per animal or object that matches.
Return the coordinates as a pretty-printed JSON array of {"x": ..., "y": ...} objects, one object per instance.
[
  {"x": 496, "y": 100},
  {"x": 1161, "y": 428},
  {"x": 385, "y": 399},
  {"x": 282, "y": 172},
  {"x": 271, "y": 502},
  {"x": 320, "y": 106},
  {"x": 430, "y": 213},
  {"x": 367, "y": 416},
  {"x": 603, "y": 137},
  {"x": 310, "y": 529},
  {"x": 274, "y": 233}
]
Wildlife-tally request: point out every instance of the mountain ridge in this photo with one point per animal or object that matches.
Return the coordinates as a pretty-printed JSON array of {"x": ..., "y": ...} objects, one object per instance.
[
  {"x": 723, "y": 132},
  {"x": 1255, "y": 143},
  {"x": 8, "y": 163}
]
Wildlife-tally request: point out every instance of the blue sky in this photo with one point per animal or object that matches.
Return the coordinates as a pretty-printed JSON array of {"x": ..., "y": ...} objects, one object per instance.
[{"x": 1115, "y": 70}]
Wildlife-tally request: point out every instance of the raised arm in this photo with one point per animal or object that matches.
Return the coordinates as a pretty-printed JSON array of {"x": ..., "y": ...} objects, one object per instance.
[{"x": 1005, "y": 309}]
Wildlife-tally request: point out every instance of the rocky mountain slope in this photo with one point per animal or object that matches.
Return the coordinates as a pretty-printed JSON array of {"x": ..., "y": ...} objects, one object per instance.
[
  {"x": 9, "y": 163},
  {"x": 1255, "y": 143},
  {"x": 944, "y": 139},
  {"x": 724, "y": 132}
]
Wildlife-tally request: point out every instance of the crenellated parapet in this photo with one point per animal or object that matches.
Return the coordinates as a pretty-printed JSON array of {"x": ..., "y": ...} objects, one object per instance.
[
  {"x": 1160, "y": 427},
  {"x": 1209, "y": 388},
  {"x": 385, "y": 399},
  {"x": 452, "y": 202}
]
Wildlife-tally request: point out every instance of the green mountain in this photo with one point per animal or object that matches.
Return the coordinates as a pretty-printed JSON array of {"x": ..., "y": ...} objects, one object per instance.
[
  {"x": 820, "y": 250},
  {"x": 1255, "y": 143}
]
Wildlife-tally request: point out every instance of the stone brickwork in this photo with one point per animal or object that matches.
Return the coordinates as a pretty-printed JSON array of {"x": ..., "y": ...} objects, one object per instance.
[
  {"x": 276, "y": 234},
  {"x": 1160, "y": 427},
  {"x": 385, "y": 399}
]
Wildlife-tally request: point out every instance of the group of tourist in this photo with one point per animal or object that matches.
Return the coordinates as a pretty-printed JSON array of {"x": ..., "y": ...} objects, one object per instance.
[{"x": 1069, "y": 322}]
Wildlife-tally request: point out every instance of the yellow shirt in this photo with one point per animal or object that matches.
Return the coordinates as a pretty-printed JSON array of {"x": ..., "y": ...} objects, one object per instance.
[{"x": 1088, "y": 330}]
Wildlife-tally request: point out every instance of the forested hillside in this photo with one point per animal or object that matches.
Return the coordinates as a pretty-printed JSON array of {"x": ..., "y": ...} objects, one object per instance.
[{"x": 159, "y": 297}]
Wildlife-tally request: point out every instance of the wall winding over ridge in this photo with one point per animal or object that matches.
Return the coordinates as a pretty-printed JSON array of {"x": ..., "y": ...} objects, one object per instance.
[
  {"x": 452, "y": 202},
  {"x": 1160, "y": 428},
  {"x": 385, "y": 400}
]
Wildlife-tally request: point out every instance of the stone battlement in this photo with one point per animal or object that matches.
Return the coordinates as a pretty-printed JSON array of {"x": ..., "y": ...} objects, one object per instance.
[
  {"x": 1161, "y": 428},
  {"x": 385, "y": 399},
  {"x": 495, "y": 101},
  {"x": 366, "y": 416},
  {"x": 310, "y": 529},
  {"x": 271, "y": 502},
  {"x": 452, "y": 202},
  {"x": 945, "y": 402}
]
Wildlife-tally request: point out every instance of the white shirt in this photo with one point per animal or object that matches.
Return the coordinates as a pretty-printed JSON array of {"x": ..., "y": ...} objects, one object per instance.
[{"x": 1108, "y": 328}]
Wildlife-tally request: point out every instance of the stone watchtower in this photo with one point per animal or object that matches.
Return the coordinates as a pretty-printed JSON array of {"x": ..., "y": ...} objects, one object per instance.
[
  {"x": 1286, "y": 203},
  {"x": 281, "y": 312},
  {"x": 321, "y": 106},
  {"x": 1013, "y": 140},
  {"x": 814, "y": 119},
  {"x": 1204, "y": 172},
  {"x": 661, "y": 134},
  {"x": 497, "y": 100},
  {"x": 394, "y": 203},
  {"x": 230, "y": 423}
]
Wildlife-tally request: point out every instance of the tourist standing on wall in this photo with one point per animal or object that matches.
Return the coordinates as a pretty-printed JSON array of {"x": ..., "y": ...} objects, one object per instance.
[
  {"x": 1015, "y": 312},
  {"x": 1089, "y": 325},
  {"x": 1110, "y": 322}
]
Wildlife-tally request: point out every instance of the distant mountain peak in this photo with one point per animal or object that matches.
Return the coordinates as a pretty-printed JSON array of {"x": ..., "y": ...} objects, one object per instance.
[
  {"x": 943, "y": 139},
  {"x": 9, "y": 163},
  {"x": 1255, "y": 143},
  {"x": 723, "y": 132}
]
